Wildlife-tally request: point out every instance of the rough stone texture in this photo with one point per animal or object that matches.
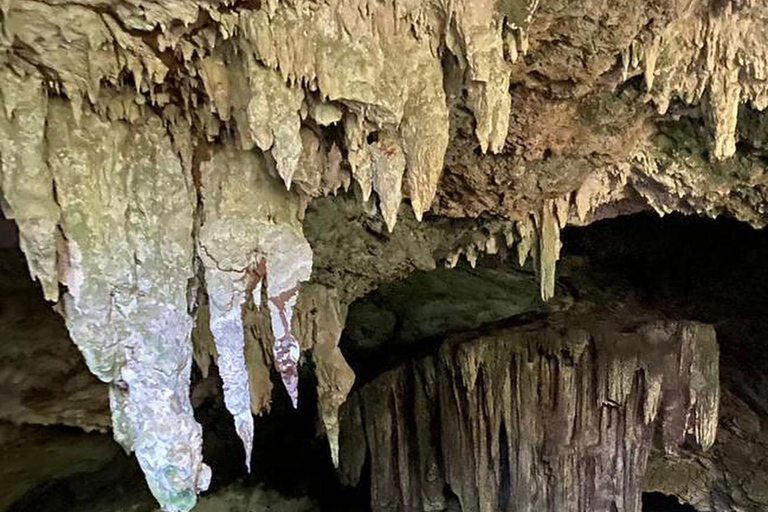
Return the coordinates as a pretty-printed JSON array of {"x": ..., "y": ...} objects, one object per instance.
[
  {"x": 321, "y": 320},
  {"x": 710, "y": 271},
  {"x": 43, "y": 378},
  {"x": 500, "y": 123},
  {"x": 429, "y": 304},
  {"x": 127, "y": 210},
  {"x": 118, "y": 187},
  {"x": 558, "y": 416},
  {"x": 25, "y": 178},
  {"x": 65, "y": 453},
  {"x": 254, "y": 500},
  {"x": 732, "y": 476},
  {"x": 251, "y": 234}
]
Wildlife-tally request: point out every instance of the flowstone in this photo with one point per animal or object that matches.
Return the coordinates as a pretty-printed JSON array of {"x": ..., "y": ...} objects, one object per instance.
[{"x": 557, "y": 416}]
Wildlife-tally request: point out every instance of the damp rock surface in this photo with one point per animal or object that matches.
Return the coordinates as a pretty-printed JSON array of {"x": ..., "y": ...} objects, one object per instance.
[
  {"x": 217, "y": 180},
  {"x": 559, "y": 415}
]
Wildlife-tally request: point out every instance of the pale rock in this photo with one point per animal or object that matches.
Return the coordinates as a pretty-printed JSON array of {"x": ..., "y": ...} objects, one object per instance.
[
  {"x": 251, "y": 234},
  {"x": 126, "y": 219},
  {"x": 26, "y": 183},
  {"x": 717, "y": 51}
]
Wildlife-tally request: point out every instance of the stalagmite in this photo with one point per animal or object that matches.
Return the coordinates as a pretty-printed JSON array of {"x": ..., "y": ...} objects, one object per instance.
[
  {"x": 251, "y": 234},
  {"x": 556, "y": 416}
]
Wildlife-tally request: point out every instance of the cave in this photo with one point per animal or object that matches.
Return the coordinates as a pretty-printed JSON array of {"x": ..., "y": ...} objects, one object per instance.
[
  {"x": 383, "y": 256},
  {"x": 631, "y": 270},
  {"x": 657, "y": 502}
]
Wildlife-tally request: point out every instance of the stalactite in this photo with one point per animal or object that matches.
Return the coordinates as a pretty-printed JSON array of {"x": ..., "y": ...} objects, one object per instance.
[
  {"x": 717, "y": 52},
  {"x": 265, "y": 69},
  {"x": 259, "y": 357},
  {"x": 319, "y": 321},
  {"x": 556, "y": 416},
  {"x": 255, "y": 86},
  {"x": 125, "y": 258},
  {"x": 388, "y": 165},
  {"x": 537, "y": 235},
  {"x": 548, "y": 252},
  {"x": 26, "y": 183},
  {"x": 251, "y": 234}
]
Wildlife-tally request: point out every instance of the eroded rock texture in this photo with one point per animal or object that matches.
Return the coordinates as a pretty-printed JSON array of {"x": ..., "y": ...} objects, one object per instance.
[
  {"x": 558, "y": 416},
  {"x": 159, "y": 158},
  {"x": 251, "y": 234},
  {"x": 43, "y": 379}
]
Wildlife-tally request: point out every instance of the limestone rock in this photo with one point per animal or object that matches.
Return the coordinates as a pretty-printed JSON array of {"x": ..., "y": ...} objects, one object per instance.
[
  {"x": 321, "y": 318},
  {"x": 126, "y": 219},
  {"x": 117, "y": 112},
  {"x": 557, "y": 416},
  {"x": 26, "y": 182},
  {"x": 725, "y": 44},
  {"x": 251, "y": 234}
]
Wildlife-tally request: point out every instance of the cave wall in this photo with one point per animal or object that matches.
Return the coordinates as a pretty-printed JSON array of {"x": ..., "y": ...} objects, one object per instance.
[
  {"x": 160, "y": 158},
  {"x": 558, "y": 415}
]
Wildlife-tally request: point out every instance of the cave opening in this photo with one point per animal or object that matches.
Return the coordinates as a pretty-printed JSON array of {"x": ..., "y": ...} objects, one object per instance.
[
  {"x": 689, "y": 268},
  {"x": 657, "y": 502}
]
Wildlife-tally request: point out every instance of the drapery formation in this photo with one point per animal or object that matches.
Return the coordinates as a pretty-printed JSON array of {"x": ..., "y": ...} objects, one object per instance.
[{"x": 558, "y": 416}]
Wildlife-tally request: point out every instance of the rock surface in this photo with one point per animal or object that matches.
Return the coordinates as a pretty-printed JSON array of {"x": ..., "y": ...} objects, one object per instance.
[
  {"x": 43, "y": 378},
  {"x": 557, "y": 416},
  {"x": 160, "y": 158}
]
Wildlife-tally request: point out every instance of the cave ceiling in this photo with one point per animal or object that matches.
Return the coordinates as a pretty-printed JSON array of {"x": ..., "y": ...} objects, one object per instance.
[{"x": 217, "y": 180}]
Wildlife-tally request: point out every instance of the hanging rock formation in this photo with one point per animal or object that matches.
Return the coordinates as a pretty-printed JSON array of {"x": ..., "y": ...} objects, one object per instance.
[
  {"x": 159, "y": 158},
  {"x": 724, "y": 43},
  {"x": 250, "y": 235},
  {"x": 320, "y": 321},
  {"x": 558, "y": 416},
  {"x": 118, "y": 187}
]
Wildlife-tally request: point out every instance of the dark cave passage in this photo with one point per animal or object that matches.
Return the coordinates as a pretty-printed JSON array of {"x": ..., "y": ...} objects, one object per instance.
[
  {"x": 657, "y": 502},
  {"x": 710, "y": 270}
]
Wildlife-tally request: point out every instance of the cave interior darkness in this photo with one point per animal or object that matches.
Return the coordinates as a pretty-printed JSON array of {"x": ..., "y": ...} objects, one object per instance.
[{"x": 707, "y": 270}]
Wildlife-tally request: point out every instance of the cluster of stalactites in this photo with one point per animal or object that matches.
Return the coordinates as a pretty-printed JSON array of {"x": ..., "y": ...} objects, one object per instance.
[
  {"x": 267, "y": 77},
  {"x": 119, "y": 233},
  {"x": 107, "y": 209},
  {"x": 707, "y": 51},
  {"x": 533, "y": 419},
  {"x": 536, "y": 235},
  {"x": 253, "y": 250}
]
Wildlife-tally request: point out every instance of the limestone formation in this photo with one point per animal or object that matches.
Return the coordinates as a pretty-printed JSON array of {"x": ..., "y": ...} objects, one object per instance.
[
  {"x": 26, "y": 179},
  {"x": 170, "y": 166},
  {"x": 558, "y": 416},
  {"x": 321, "y": 319},
  {"x": 250, "y": 235}
]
